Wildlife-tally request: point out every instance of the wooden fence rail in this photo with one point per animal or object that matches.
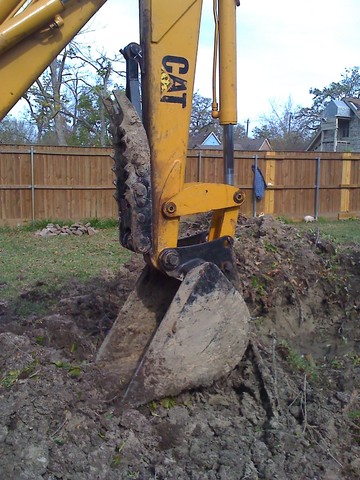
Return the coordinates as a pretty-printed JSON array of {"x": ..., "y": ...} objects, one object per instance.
[{"x": 40, "y": 182}]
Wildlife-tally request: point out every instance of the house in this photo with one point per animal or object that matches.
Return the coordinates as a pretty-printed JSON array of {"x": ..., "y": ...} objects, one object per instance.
[
  {"x": 253, "y": 144},
  {"x": 209, "y": 139},
  {"x": 339, "y": 129}
]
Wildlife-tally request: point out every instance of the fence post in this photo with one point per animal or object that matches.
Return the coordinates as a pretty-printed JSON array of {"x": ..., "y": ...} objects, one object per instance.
[
  {"x": 256, "y": 158},
  {"x": 317, "y": 188},
  {"x": 200, "y": 166},
  {"x": 32, "y": 183},
  {"x": 270, "y": 168},
  {"x": 345, "y": 182}
]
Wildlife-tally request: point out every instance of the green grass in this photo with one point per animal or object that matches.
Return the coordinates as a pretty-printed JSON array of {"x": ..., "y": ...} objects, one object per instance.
[
  {"x": 342, "y": 231},
  {"x": 48, "y": 264},
  {"x": 28, "y": 261}
]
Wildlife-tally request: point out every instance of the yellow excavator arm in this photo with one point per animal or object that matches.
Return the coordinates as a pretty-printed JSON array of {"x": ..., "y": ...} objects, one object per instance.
[
  {"x": 204, "y": 330},
  {"x": 32, "y": 34}
]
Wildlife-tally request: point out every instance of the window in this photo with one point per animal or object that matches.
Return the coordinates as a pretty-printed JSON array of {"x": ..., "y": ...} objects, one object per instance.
[{"x": 344, "y": 128}]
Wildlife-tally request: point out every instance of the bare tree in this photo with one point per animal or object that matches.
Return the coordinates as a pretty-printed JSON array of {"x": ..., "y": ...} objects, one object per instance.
[
  {"x": 200, "y": 113},
  {"x": 15, "y": 131},
  {"x": 283, "y": 127},
  {"x": 65, "y": 102}
]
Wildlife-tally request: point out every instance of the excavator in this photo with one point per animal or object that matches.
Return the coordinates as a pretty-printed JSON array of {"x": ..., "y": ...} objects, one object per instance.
[{"x": 185, "y": 324}]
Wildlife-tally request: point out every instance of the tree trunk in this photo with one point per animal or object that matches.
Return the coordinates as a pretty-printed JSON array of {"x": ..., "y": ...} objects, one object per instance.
[
  {"x": 56, "y": 72},
  {"x": 103, "y": 126}
]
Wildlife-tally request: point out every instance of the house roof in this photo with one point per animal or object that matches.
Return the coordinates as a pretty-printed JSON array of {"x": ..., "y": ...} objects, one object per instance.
[
  {"x": 314, "y": 140},
  {"x": 337, "y": 108},
  {"x": 246, "y": 143},
  {"x": 354, "y": 104}
]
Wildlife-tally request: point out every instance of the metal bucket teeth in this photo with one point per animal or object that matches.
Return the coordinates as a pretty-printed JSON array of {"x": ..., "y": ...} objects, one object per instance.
[{"x": 132, "y": 169}]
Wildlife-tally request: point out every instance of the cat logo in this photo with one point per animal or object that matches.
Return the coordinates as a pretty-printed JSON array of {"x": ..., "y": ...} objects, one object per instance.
[{"x": 173, "y": 86}]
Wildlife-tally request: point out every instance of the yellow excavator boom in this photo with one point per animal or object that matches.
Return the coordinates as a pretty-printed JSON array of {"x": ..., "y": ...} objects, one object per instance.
[{"x": 32, "y": 34}]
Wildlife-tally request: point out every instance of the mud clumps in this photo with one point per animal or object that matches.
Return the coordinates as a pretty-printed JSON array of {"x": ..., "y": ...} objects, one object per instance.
[{"x": 290, "y": 410}]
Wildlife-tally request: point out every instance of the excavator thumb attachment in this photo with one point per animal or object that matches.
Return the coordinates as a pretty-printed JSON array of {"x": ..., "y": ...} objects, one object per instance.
[{"x": 202, "y": 336}]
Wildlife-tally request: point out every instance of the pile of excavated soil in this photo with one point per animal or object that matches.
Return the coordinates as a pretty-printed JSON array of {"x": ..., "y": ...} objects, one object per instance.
[{"x": 289, "y": 411}]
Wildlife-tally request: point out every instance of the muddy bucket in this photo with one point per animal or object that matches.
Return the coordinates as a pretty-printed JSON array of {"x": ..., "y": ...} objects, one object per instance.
[{"x": 170, "y": 336}]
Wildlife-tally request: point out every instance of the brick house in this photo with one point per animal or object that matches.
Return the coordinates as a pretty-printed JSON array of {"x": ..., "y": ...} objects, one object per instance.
[{"x": 339, "y": 129}]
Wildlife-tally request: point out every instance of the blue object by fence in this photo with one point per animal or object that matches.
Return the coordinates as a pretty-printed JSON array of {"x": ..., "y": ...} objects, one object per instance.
[{"x": 259, "y": 183}]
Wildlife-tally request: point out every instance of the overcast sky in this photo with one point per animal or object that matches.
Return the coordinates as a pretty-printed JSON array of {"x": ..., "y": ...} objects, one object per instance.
[{"x": 284, "y": 47}]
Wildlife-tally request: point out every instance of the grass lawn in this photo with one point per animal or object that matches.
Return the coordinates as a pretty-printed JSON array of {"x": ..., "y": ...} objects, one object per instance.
[
  {"x": 26, "y": 260},
  {"x": 342, "y": 231}
]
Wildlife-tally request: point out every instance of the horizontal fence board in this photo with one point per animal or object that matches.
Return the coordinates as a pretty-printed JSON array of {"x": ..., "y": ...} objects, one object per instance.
[{"x": 39, "y": 182}]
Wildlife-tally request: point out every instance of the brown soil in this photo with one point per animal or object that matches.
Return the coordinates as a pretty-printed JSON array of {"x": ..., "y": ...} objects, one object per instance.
[{"x": 289, "y": 411}]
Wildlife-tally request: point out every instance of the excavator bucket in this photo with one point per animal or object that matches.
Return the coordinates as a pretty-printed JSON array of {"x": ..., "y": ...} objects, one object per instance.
[{"x": 171, "y": 337}]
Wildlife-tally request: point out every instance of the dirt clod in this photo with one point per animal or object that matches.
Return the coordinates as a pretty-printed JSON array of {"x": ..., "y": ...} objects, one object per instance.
[{"x": 290, "y": 410}]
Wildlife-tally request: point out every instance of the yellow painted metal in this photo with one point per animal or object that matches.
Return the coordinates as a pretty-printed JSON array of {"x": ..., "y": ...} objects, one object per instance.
[
  {"x": 33, "y": 18},
  {"x": 6, "y": 7},
  {"x": 227, "y": 62},
  {"x": 170, "y": 57},
  {"x": 22, "y": 64},
  {"x": 169, "y": 37},
  {"x": 201, "y": 197},
  {"x": 214, "y": 103},
  {"x": 223, "y": 223},
  {"x": 165, "y": 14},
  {"x": 20, "y": 5}
]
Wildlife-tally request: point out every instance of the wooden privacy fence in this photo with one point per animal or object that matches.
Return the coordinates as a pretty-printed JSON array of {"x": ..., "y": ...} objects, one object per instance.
[
  {"x": 40, "y": 182},
  {"x": 299, "y": 183}
]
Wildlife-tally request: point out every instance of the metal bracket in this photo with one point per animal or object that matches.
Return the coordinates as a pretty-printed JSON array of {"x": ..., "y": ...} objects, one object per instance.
[{"x": 176, "y": 262}]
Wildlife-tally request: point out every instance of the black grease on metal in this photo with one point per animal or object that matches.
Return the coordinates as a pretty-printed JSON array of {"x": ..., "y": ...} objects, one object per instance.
[{"x": 192, "y": 239}]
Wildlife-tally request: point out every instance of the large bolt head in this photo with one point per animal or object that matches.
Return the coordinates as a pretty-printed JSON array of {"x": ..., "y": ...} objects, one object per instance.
[
  {"x": 170, "y": 259},
  {"x": 239, "y": 197}
]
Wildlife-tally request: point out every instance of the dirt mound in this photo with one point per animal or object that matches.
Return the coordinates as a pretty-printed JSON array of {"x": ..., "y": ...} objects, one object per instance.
[
  {"x": 298, "y": 287},
  {"x": 290, "y": 410}
]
